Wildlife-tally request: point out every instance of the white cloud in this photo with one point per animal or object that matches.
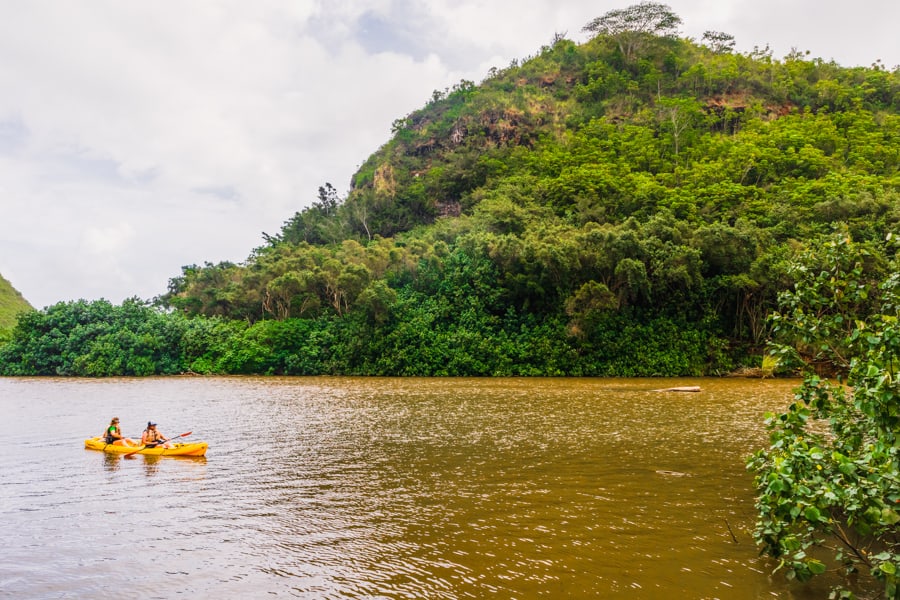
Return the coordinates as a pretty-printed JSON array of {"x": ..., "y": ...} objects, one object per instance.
[
  {"x": 106, "y": 241},
  {"x": 169, "y": 134}
]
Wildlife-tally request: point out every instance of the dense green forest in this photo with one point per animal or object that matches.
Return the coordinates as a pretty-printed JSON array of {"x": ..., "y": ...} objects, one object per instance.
[{"x": 627, "y": 206}]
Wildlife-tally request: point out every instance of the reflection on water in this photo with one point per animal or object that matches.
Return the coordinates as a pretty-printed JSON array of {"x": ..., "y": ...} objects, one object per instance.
[
  {"x": 151, "y": 465},
  {"x": 390, "y": 488},
  {"x": 111, "y": 461}
]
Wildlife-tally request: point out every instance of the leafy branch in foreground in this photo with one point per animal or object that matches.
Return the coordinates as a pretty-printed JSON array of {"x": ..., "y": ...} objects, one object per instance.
[{"x": 829, "y": 484}]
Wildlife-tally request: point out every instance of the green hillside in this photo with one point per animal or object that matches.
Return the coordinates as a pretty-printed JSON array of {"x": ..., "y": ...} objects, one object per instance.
[
  {"x": 11, "y": 304},
  {"x": 626, "y": 206},
  {"x": 602, "y": 203}
]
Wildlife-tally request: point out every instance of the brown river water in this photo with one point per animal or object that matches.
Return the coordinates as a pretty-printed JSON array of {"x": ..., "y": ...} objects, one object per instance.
[{"x": 387, "y": 488}]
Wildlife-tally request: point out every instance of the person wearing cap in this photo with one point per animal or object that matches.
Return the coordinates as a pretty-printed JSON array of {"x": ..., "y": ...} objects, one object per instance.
[
  {"x": 113, "y": 435},
  {"x": 151, "y": 438}
]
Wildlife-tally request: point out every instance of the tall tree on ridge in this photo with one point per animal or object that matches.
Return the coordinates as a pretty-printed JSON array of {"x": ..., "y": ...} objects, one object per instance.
[{"x": 631, "y": 26}]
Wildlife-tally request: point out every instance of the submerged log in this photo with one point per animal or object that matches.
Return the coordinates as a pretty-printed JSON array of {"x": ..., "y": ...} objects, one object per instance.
[
  {"x": 684, "y": 388},
  {"x": 672, "y": 473}
]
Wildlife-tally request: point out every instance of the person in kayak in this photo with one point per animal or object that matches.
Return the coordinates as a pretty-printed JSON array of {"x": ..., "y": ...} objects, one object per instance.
[
  {"x": 152, "y": 438},
  {"x": 113, "y": 434}
]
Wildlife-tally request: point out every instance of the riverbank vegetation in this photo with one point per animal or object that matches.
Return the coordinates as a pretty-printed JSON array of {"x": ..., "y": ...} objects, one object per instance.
[
  {"x": 627, "y": 206},
  {"x": 829, "y": 484}
]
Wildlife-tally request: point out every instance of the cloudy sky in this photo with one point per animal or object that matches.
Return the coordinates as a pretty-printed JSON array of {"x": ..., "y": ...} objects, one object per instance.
[{"x": 137, "y": 137}]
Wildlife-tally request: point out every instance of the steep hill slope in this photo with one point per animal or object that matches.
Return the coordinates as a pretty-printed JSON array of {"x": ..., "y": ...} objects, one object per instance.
[
  {"x": 11, "y": 304},
  {"x": 679, "y": 116}
]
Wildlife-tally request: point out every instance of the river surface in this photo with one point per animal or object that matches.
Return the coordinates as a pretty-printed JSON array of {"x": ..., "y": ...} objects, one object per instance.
[{"x": 387, "y": 488}]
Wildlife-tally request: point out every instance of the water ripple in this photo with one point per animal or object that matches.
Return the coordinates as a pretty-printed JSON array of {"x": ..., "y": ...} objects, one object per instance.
[{"x": 384, "y": 488}]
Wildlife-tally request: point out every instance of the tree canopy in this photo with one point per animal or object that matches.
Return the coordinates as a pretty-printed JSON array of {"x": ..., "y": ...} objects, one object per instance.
[{"x": 633, "y": 25}]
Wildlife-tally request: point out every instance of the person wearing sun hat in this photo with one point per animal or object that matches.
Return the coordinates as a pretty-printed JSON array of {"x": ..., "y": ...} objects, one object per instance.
[{"x": 151, "y": 438}]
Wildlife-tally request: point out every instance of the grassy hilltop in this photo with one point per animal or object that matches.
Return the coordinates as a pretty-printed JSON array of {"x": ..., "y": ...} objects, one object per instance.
[{"x": 11, "y": 304}]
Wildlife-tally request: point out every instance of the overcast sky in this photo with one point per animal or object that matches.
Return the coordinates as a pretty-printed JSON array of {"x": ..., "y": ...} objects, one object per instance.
[{"x": 138, "y": 137}]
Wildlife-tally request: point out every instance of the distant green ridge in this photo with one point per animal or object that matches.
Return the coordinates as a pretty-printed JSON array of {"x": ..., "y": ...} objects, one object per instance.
[{"x": 11, "y": 304}]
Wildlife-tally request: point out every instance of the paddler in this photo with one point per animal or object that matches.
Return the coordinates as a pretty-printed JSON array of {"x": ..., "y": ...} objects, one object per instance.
[
  {"x": 113, "y": 435},
  {"x": 151, "y": 438}
]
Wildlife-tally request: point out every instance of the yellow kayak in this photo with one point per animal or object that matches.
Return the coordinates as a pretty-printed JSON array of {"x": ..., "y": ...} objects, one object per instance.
[{"x": 179, "y": 449}]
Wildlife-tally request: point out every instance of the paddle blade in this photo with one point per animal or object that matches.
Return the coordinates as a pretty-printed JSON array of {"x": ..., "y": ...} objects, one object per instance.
[{"x": 133, "y": 453}]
